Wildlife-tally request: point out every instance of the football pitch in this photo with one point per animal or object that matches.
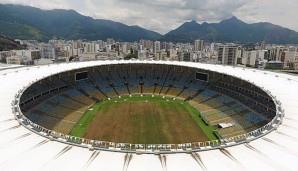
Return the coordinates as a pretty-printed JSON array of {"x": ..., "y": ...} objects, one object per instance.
[{"x": 143, "y": 120}]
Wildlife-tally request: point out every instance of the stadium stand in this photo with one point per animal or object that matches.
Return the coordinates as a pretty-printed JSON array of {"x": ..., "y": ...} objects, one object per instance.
[
  {"x": 24, "y": 150},
  {"x": 222, "y": 99}
]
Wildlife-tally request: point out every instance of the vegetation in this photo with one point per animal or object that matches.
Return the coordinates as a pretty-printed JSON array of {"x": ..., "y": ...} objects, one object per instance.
[
  {"x": 232, "y": 30},
  {"x": 71, "y": 58},
  {"x": 239, "y": 61},
  {"x": 23, "y": 22},
  {"x": 290, "y": 68},
  {"x": 83, "y": 123},
  {"x": 3, "y": 60},
  {"x": 133, "y": 54},
  {"x": 249, "y": 47},
  {"x": 207, "y": 129},
  {"x": 7, "y": 44},
  {"x": 168, "y": 53}
]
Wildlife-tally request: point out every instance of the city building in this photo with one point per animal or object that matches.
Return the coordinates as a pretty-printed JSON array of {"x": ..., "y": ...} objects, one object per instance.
[
  {"x": 198, "y": 51},
  {"x": 24, "y": 57},
  {"x": 227, "y": 54},
  {"x": 199, "y": 45},
  {"x": 263, "y": 45},
  {"x": 255, "y": 58},
  {"x": 16, "y": 60},
  {"x": 5, "y": 54},
  {"x": 47, "y": 51},
  {"x": 43, "y": 61},
  {"x": 275, "y": 65},
  {"x": 156, "y": 46},
  {"x": 296, "y": 62},
  {"x": 290, "y": 59},
  {"x": 165, "y": 45},
  {"x": 110, "y": 41}
]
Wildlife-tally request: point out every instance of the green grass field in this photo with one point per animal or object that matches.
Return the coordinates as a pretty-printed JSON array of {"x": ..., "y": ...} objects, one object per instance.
[{"x": 144, "y": 120}]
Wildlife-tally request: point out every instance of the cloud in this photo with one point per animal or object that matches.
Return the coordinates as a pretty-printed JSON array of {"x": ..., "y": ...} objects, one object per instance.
[
  {"x": 283, "y": 13},
  {"x": 51, "y": 4},
  {"x": 165, "y": 15}
]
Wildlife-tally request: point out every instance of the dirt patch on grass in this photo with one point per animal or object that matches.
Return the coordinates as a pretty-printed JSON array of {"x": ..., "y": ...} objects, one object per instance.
[{"x": 145, "y": 123}]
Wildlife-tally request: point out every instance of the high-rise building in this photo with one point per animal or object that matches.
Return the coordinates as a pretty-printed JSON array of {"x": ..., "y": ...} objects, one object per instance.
[
  {"x": 263, "y": 45},
  {"x": 47, "y": 51},
  {"x": 110, "y": 41},
  {"x": 186, "y": 56},
  {"x": 78, "y": 44},
  {"x": 156, "y": 46},
  {"x": 199, "y": 45},
  {"x": 89, "y": 47},
  {"x": 165, "y": 45},
  {"x": 125, "y": 48},
  {"x": 142, "y": 42},
  {"x": 296, "y": 59},
  {"x": 149, "y": 45},
  {"x": 227, "y": 54},
  {"x": 101, "y": 44},
  {"x": 171, "y": 45}
]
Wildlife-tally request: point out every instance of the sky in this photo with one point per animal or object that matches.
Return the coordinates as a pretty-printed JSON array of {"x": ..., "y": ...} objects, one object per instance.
[{"x": 163, "y": 16}]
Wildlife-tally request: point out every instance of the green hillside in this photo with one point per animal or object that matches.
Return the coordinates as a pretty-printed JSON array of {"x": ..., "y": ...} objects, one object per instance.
[{"x": 23, "y": 22}]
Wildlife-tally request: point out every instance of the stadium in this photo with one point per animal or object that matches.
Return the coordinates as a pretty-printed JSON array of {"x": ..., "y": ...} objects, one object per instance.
[{"x": 147, "y": 115}]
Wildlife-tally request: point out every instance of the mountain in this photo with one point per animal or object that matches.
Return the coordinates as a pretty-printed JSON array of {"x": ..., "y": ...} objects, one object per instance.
[
  {"x": 232, "y": 30},
  {"x": 25, "y": 22},
  {"x": 8, "y": 44}
]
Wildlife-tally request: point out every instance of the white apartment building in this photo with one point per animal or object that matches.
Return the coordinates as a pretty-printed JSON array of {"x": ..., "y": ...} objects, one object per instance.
[
  {"x": 16, "y": 60},
  {"x": 47, "y": 51},
  {"x": 25, "y": 57},
  {"x": 227, "y": 54},
  {"x": 156, "y": 46},
  {"x": 291, "y": 57},
  {"x": 254, "y": 58}
]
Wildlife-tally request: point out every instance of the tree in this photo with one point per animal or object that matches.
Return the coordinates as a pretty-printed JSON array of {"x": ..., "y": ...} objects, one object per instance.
[
  {"x": 71, "y": 58},
  {"x": 136, "y": 52},
  {"x": 131, "y": 51},
  {"x": 3, "y": 60},
  {"x": 168, "y": 53},
  {"x": 250, "y": 47},
  {"x": 133, "y": 54}
]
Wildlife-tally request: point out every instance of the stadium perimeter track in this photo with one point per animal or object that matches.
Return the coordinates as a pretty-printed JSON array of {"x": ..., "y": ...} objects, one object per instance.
[{"x": 21, "y": 149}]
